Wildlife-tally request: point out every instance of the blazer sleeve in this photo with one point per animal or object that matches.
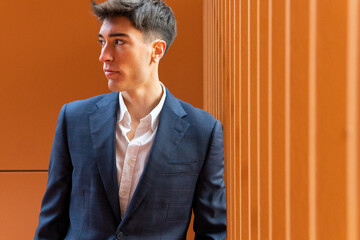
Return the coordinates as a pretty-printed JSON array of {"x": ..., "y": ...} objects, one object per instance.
[
  {"x": 209, "y": 204},
  {"x": 54, "y": 213}
]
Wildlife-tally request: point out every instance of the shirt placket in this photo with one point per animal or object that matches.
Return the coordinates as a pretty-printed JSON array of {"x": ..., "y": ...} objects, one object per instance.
[{"x": 127, "y": 175}]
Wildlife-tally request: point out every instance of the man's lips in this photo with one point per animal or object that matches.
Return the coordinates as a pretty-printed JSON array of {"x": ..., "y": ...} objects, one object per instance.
[{"x": 110, "y": 72}]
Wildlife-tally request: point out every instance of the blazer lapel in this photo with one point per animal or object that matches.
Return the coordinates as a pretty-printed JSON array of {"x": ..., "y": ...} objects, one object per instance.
[
  {"x": 172, "y": 127},
  {"x": 103, "y": 134}
]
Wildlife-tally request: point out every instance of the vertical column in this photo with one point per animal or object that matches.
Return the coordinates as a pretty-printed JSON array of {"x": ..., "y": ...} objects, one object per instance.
[{"x": 352, "y": 112}]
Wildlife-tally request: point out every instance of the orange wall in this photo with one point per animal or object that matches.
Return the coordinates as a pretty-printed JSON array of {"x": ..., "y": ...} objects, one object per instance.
[
  {"x": 49, "y": 56},
  {"x": 283, "y": 77}
]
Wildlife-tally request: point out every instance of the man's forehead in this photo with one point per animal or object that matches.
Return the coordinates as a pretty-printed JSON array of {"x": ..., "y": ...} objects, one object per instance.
[
  {"x": 116, "y": 22},
  {"x": 117, "y": 25}
]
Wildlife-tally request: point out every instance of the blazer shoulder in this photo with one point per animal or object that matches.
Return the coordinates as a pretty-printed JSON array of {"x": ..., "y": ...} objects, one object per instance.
[
  {"x": 198, "y": 116},
  {"x": 90, "y": 104}
]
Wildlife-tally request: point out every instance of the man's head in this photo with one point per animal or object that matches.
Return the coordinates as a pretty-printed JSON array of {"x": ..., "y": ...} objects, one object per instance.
[
  {"x": 134, "y": 36},
  {"x": 152, "y": 17}
]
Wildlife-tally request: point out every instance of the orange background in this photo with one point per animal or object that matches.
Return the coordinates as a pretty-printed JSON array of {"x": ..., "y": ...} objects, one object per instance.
[
  {"x": 283, "y": 76},
  {"x": 48, "y": 57}
]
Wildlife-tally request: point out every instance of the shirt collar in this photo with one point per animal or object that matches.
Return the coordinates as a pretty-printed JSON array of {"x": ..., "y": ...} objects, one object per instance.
[
  {"x": 123, "y": 108},
  {"x": 154, "y": 114}
]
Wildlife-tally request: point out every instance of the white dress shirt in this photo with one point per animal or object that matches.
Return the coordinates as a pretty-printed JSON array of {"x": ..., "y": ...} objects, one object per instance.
[{"x": 131, "y": 156}]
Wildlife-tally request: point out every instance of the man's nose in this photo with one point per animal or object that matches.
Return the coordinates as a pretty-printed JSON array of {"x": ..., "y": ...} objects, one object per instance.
[{"x": 105, "y": 55}]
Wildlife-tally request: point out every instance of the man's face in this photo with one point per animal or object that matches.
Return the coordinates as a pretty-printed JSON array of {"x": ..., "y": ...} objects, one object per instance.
[{"x": 126, "y": 57}]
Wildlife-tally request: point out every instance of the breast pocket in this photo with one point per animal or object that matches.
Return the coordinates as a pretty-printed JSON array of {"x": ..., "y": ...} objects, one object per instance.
[
  {"x": 182, "y": 168},
  {"x": 188, "y": 152}
]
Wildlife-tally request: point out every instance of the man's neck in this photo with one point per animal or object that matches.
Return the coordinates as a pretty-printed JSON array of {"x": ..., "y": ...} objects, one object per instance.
[{"x": 141, "y": 101}]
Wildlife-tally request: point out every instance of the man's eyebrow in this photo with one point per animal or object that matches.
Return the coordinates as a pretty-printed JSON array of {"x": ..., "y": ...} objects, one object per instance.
[{"x": 114, "y": 35}]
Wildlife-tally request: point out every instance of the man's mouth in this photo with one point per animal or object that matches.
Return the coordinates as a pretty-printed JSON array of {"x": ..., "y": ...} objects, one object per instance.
[{"x": 110, "y": 72}]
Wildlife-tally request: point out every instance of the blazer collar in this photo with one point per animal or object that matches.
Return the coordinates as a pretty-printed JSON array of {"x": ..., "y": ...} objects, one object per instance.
[{"x": 103, "y": 134}]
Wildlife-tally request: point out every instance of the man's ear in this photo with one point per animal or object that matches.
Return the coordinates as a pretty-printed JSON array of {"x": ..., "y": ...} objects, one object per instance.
[{"x": 159, "y": 47}]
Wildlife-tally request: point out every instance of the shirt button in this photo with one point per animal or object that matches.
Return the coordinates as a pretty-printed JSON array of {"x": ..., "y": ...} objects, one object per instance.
[{"x": 119, "y": 235}]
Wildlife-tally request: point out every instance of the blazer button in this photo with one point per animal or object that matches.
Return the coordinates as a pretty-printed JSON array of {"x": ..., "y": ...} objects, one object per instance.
[{"x": 119, "y": 235}]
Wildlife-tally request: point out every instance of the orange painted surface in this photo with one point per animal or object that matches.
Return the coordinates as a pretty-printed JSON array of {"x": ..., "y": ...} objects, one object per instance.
[
  {"x": 49, "y": 56},
  {"x": 264, "y": 114},
  {"x": 299, "y": 121},
  {"x": 20, "y": 199},
  {"x": 331, "y": 98},
  {"x": 283, "y": 97}
]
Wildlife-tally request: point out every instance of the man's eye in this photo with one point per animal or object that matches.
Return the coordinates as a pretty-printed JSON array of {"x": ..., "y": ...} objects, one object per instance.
[
  {"x": 119, "y": 42},
  {"x": 102, "y": 42}
]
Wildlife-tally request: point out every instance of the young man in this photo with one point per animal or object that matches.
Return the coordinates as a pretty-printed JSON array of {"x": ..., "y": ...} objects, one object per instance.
[{"x": 134, "y": 163}]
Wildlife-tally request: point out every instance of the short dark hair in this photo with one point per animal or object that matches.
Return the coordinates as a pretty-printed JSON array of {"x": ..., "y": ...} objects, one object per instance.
[{"x": 152, "y": 17}]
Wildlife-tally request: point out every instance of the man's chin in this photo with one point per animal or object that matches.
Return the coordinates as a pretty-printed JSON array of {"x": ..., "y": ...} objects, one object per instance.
[{"x": 114, "y": 86}]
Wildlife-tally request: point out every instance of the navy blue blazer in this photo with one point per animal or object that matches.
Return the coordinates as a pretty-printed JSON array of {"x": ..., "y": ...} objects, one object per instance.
[{"x": 184, "y": 172}]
